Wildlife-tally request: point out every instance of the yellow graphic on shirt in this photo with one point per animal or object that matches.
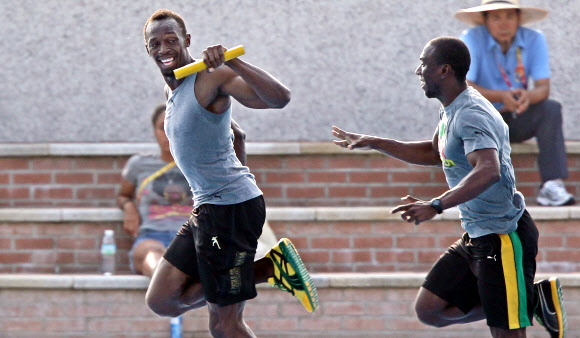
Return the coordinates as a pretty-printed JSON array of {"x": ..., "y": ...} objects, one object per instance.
[{"x": 442, "y": 141}]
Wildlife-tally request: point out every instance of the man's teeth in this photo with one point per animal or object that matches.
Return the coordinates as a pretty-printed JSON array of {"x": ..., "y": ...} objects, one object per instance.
[{"x": 167, "y": 61}]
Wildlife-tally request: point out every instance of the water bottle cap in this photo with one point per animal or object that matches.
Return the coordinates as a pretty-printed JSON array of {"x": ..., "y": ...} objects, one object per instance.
[{"x": 109, "y": 232}]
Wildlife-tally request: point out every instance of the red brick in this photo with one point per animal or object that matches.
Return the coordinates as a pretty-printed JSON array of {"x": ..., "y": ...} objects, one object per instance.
[
  {"x": 90, "y": 193},
  {"x": 562, "y": 255},
  {"x": 107, "y": 324},
  {"x": 319, "y": 323},
  {"x": 428, "y": 192},
  {"x": 156, "y": 324},
  {"x": 5, "y": 243},
  {"x": 343, "y": 308},
  {"x": 368, "y": 176},
  {"x": 65, "y": 325},
  {"x": 279, "y": 324},
  {"x": 346, "y": 162},
  {"x": 547, "y": 241},
  {"x": 389, "y": 191},
  {"x": 17, "y": 229},
  {"x": 15, "y": 257},
  {"x": 52, "y": 163},
  {"x": 348, "y": 192},
  {"x": 411, "y": 177},
  {"x": 305, "y": 192},
  {"x": 308, "y": 228},
  {"x": 327, "y": 177},
  {"x": 428, "y": 256},
  {"x": 366, "y": 324},
  {"x": 284, "y": 177},
  {"x": 72, "y": 178},
  {"x": 351, "y": 256},
  {"x": 24, "y": 325},
  {"x": 53, "y": 193},
  {"x": 88, "y": 257},
  {"x": 352, "y": 228},
  {"x": 571, "y": 241},
  {"x": 94, "y": 163},
  {"x": 329, "y": 242},
  {"x": 264, "y": 162},
  {"x": 31, "y": 178},
  {"x": 415, "y": 242},
  {"x": 317, "y": 256},
  {"x": 4, "y": 178},
  {"x": 406, "y": 256},
  {"x": 109, "y": 178},
  {"x": 78, "y": 243},
  {"x": 305, "y": 162},
  {"x": 14, "y": 193},
  {"x": 528, "y": 176},
  {"x": 383, "y": 161},
  {"x": 524, "y": 162},
  {"x": 373, "y": 242},
  {"x": 33, "y": 243},
  {"x": 14, "y": 163}
]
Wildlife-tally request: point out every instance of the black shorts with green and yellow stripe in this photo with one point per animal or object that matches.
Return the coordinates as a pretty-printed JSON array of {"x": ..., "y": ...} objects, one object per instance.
[{"x": 496, "y": 271}]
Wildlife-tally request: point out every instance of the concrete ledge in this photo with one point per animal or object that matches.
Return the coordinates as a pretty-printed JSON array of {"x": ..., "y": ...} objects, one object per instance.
[
  {"x": 132, "y": 282},
  {"x": 273, "y": 214},
  {"x": 252, "y": 148}
]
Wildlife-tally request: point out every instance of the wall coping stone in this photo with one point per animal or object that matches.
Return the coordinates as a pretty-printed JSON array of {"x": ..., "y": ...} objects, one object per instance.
[
  {"x": 252, "y": 148},
  {"x": 339, "y": 213},
  {"x": 322, "y": 280}
]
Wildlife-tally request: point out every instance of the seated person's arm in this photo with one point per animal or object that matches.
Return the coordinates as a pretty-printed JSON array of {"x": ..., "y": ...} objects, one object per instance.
[
  {"x": 239, "y": 142},
  {"x": 125, "y": 202},
  {"x": 516, "y": 100}
]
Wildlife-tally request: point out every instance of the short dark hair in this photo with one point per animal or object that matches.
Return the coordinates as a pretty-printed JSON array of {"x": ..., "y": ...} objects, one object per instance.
[
  {"x": 162, "y": 14},
  {"x": 454, "y": 52},
  {"x": 160, "y": 109}
]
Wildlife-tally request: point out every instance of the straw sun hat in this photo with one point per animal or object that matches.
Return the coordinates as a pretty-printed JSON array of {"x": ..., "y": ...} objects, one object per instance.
[{"x": 474, "y": 16}]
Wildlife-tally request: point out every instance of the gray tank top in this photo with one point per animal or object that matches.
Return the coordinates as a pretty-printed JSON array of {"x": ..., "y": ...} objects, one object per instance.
[{"x": 201, "y": 143}]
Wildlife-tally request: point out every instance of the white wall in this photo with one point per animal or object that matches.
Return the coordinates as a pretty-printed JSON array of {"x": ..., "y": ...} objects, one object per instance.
[{"x": 77, "y": 71}]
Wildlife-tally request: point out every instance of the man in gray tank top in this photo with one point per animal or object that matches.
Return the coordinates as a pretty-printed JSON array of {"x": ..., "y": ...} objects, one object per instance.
[{"x": 211, "y": 260}]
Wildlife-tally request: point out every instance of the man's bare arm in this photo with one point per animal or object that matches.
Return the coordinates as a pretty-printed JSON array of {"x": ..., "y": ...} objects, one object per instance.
[{"x": 415, "y": 152}]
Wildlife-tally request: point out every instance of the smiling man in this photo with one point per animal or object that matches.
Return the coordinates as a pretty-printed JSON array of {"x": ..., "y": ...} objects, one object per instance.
[
  {"x": 489, "y": 272},
  {"x": 211, "y": 260}
]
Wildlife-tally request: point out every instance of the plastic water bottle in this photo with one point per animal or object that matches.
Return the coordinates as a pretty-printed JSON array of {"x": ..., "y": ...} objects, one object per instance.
[
  {"x": 108, "y": 251},
  {"x": 176, "y": 328}
]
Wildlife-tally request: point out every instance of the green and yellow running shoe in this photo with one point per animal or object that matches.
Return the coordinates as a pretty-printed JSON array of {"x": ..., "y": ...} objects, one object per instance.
[
  {"x": 550, "y": 311},
  {"x": 291, "y": 275}
]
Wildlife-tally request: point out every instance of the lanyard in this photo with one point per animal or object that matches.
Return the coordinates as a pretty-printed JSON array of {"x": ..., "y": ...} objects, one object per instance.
[
  {"x": 153, "y": 176},
  {"x": 520, "y": 74}
]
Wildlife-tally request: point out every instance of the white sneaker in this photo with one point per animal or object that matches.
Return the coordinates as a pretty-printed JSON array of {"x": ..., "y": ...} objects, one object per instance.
[{"x": 553, "y": 193}]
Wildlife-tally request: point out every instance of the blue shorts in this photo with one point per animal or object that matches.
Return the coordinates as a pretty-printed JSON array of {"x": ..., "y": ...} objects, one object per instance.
[{"x": 165, "y": 237}]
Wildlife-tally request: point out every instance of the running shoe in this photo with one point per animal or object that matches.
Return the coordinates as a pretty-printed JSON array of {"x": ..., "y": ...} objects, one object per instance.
[
  {"x": 553, "y": 193},
  {"x": 291, "y": 275},
  {"x": 550, "y": 311}
]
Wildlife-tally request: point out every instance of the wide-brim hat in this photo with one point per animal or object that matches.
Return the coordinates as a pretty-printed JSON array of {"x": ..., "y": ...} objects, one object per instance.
[{"x": 474, "y": 16}]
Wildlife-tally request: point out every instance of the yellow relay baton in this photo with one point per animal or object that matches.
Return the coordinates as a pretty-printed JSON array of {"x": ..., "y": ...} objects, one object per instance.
[{"x": 198, "y": 66}]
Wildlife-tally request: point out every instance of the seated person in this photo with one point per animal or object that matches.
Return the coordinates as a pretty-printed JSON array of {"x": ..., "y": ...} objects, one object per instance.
[
  {"x": 157, "y": 201},
  {"x": 509, "y": 67}
]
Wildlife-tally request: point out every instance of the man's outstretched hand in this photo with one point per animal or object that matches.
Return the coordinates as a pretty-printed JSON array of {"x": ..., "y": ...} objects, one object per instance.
[{"x": 350, "y": 140}]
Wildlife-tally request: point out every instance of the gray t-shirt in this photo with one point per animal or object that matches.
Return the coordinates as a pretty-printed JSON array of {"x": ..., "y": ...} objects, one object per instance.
[
  {"x": 165, "y": 202},
  {"x": 202, "y": 145},
  {"x": 470, "y": 123}
]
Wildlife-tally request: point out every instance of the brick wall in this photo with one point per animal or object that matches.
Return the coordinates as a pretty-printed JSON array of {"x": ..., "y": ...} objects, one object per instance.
[
  {"x": 345, "y": 240},
  {"x": 323, "y": 176},
  {"x": 360, "y": 309}
]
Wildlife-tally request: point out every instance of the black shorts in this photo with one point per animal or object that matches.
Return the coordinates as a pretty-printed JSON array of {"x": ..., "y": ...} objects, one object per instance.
[
  {"x": 217, "y": 247},
  {"x": 496, "y": 271}
]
